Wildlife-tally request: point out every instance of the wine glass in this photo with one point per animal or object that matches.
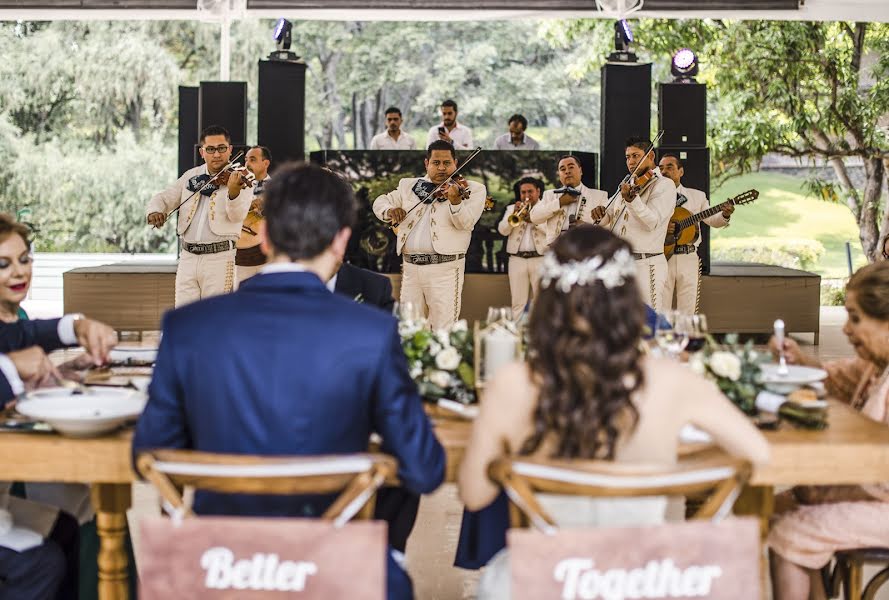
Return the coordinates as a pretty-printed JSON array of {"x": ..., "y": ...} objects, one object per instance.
[
  {"x": 672, "y": 333},
  {"x": 697, "y": 337}
]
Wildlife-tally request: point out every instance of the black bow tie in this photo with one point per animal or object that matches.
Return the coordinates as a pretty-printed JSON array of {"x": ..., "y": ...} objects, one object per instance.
[
  {"x": 681, "y": 199},
  {"x": 423, "y": 190},
  {"x": 195, "y": 183},
  {"x": 567, "y": 189}
]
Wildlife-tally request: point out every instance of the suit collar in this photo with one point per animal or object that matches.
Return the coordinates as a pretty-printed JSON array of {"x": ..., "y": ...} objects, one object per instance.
[{"x": 291, "y": 280}]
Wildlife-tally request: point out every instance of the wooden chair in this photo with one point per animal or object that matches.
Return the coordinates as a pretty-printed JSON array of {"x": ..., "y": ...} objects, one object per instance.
[
  {"x": 356, "y": 477},
  {"x": 522, "y": 477},
  {"x": 848, "y": 573}
]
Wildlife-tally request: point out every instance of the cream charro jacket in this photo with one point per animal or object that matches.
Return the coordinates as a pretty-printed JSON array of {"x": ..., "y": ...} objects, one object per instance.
[
  {"x": 548, "y": 211},
  {"x": 539, "y": 233}
]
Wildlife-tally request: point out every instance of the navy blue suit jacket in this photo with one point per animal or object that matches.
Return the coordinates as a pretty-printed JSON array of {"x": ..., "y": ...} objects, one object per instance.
[
  {"x": 24, "y": 334},
  {"x": 283, "y": 366}
]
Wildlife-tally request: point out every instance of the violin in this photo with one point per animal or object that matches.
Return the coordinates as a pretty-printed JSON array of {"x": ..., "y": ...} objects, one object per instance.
[
  {"x": 441, "y": 193},
  {"x": 641, "y": 182},
  {"x": 247, "y": 177}
]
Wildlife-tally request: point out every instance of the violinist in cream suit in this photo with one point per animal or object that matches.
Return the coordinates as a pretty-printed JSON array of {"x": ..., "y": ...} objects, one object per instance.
[
  {"x": 571, "y": 204},
  {"x": 209, "y": 223},
  {"x": 525, "y": 244},
  {"x": 433, "y": 234}
]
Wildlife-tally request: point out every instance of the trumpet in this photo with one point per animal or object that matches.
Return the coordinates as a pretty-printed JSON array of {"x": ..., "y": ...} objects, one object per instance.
[{"x": 517, "y": 216}]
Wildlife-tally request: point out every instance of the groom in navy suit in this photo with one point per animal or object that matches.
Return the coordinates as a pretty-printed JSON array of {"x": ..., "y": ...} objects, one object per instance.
[{"x": 283, "y": 366}]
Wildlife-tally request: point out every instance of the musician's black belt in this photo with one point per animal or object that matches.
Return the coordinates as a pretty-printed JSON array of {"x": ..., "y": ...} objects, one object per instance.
[
  {"x": 527, "y": 254},
  {"x": 686, "y": 249},
  {"x": 213, "y": 248},
  {"x": 644, "y": 255},
  {"x": 431, "y": 259}
]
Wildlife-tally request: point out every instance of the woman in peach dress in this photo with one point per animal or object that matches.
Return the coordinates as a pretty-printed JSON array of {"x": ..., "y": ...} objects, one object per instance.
[{"x": 815, "y": 522}]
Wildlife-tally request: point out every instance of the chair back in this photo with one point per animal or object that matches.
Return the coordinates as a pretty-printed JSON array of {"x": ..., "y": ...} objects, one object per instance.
[
  {"x": 522, "y": 477},
  {"x": 356, "y": 477}
]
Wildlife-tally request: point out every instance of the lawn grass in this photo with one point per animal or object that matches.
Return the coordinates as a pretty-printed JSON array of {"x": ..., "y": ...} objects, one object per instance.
[{"x": 786, "y": 210}]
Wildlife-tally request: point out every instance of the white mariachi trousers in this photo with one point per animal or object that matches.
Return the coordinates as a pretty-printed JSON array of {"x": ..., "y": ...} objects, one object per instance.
[
  {"x": 437, "y": 290},
  {"x": 683, "y": 277},
  {"x": 200, "y": 276},
  {"x": 523, "y": 272},
  {"x": 651, "y": 277}
]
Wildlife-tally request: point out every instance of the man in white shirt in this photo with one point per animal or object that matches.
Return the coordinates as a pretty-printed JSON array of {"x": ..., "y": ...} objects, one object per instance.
[
  {"x": 684, "y": 267},
  {"x": 248, "y": 256},
  {"x": 569, "y": 205},
  {"x": 433, "y": 234},
  {"x": 393, "y": 138},
  {"x": 525, "y": 244},
  {"x": 516, "y": 139},
  {"x": 641, "y": 216},
  {"x": 459, "y": 136},
  {"x": 209, "y": 222}
]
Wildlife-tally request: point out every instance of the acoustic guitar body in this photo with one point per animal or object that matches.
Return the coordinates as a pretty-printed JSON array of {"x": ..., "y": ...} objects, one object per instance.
[
  {"x": 250, "y": 230},
  {"x": 680, "y": 237}
]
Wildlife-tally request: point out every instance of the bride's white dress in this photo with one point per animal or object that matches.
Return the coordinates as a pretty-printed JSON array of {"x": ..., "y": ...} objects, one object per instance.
[{"x": 571, "y": 512}]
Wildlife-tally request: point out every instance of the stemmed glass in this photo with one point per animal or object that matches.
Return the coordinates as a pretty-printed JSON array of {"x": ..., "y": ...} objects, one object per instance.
[
  {"x": 672, "y": 334},
  {"x": 697, "y": 337}
]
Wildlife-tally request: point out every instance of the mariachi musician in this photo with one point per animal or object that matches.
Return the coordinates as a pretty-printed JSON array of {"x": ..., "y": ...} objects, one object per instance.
[
  {"x": 434, "y": 230},
  {"x": 568, "y": 205},
  {"x": 684, "y": 267},
  {"x": 641, "y": 216},
  {"x": 249, "y": 257},
  {"x": 213, "y": 203}
]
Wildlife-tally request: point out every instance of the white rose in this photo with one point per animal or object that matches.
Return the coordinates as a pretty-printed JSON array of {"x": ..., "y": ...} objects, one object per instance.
[
  {"x": 434, "y": 347},
  {"x": 407, "y": 329},
  {"x": 726, "y": 364},
  {"x": 443, "y": 337},
  {"x": 460, "y": 326},
  {"x": 416, "y": 370},
  {"x": 448, "y": 359},
  {"x": 440, "y": 378}
]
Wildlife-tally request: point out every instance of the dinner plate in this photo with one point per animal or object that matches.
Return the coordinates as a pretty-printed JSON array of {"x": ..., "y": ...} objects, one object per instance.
[
  {"x": 796, "y": 377},
  {"x": 140, "y": 355},
  {"x": 75, "y": 414}
]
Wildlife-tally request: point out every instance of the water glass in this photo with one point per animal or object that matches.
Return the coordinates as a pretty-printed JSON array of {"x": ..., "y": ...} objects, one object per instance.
[{"x": 673, "y": 329}]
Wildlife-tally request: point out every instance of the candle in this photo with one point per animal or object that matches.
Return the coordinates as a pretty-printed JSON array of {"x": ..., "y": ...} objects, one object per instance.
[{"x": 500, "y": 349}]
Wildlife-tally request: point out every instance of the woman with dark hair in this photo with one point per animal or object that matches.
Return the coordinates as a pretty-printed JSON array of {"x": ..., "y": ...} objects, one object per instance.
[
  {"x": 588, "y": 392},
  {"x": 816, "y": 522}
]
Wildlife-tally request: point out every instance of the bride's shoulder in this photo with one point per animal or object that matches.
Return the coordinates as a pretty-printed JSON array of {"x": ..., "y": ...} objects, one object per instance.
[{"x": 511, "y": 383}]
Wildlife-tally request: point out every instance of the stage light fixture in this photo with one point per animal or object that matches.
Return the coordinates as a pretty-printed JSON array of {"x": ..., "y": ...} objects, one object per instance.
[
  {"x": 623, "y": 40},
  {"x": 684, "y": 66},
  {"x": 282, "y": 36}
]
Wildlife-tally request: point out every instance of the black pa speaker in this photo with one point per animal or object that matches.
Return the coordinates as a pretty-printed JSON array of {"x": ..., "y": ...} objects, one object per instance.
[
  {"x": 224, "y": 103},
  {"x": 682, "y": 114},
  {"x": 280, "y": 124},
  {"x": 188, "y": 127},
  {"x": 696, "y": 164},
  {"x": 625, "y": 111}
]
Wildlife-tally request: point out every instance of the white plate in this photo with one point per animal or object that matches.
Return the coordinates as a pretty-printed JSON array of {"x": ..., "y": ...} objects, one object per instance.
[
  {"x": 98, "y": 411},
  {"x": 136, "y": 354},
  {"x": 796, "y": 377}
]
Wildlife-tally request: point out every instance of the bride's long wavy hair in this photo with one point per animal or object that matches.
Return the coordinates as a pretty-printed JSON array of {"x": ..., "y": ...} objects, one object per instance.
[{"x": 584, "y": 354}]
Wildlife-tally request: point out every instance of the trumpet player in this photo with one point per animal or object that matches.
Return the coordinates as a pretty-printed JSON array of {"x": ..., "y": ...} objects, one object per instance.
[
  {"x": 525, "y": 244},
  {"x": 568, "y": 205},
  {"x": 209, "y": 223},
  {"x": 433, "y": 234}
]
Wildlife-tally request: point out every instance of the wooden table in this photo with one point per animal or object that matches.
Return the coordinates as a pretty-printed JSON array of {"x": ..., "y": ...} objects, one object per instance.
[
  {"x": 853, "y": 449},
  {"x": 103, "y": 462}
]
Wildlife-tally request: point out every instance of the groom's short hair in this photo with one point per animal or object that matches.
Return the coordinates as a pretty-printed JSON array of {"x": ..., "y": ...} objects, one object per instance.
[{"x": 305, "y": 206}]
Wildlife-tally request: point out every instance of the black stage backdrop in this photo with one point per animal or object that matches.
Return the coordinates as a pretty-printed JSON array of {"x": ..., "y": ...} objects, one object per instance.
[{"x": 373, "y": 173}]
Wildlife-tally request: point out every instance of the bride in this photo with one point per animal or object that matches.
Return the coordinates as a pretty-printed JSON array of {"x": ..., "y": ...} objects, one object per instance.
[{"x": 587, "y": 391}]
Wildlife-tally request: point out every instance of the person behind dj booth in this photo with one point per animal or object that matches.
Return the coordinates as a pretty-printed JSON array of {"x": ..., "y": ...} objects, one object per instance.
[{"x": 569, "y": 204}]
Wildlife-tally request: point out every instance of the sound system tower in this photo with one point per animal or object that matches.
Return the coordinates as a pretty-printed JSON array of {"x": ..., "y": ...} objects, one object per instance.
[
  {"x": 224, "y": 103},
  {"x": 625, "y": 111},
  {"x": 682, "y": 115},
  {"x": 188, "y": 127},
  {"x": 280, "y": 124}
]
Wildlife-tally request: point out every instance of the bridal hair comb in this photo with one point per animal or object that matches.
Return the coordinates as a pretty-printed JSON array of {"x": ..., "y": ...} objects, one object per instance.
[{"x": 612, "y": 272}]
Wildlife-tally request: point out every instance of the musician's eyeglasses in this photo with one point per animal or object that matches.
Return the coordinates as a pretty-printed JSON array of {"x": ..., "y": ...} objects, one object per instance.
[{"x": 217, "y": 149}]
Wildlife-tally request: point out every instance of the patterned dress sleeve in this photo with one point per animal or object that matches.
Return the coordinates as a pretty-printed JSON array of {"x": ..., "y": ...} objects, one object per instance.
[{"x": 844, "y": 376}]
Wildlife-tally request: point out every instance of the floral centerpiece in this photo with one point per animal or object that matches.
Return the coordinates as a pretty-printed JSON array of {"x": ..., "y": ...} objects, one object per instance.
[
  {"x": 736, "y": 369},
  {"x": 440, "y": 361}
]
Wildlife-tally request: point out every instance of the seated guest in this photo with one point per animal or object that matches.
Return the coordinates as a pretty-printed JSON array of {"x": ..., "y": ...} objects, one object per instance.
[
  {"x": 516, "y": 139},
  {"x": 363, "y": 286},
  {"x": 816, "y": 522},
  {"x": 587, "y": 392},
  {"x": 525, "y": 244},
  {"x": 319, "y": 375},
  {"x": 393, "y": 138}
]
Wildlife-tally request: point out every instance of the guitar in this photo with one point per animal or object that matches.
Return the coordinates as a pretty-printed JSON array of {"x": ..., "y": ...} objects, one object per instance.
[
  {"x": 250, "y": 227},
  {"x": 687, "y": 229}
]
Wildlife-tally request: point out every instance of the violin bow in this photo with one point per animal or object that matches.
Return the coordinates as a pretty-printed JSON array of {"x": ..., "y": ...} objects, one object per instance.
[
  {"x": 207, "y": 183},
  {"x": 629, "y": 176},
  {"x": 443, "y": 183}
]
